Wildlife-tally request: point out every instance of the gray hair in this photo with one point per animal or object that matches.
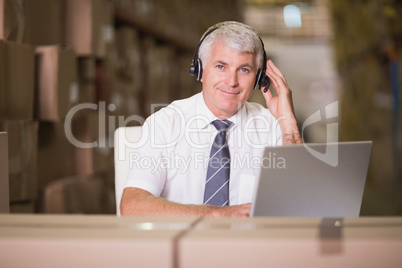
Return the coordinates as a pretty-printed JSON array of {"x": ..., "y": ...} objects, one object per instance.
[{"x": 238, "y": 36}]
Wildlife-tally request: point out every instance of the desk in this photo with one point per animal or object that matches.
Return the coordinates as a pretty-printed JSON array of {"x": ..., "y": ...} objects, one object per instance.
[
  {"x": 89, "y": 241},
  {"x": 110, "y": 241},
  {"x": 293, "y": 242}
]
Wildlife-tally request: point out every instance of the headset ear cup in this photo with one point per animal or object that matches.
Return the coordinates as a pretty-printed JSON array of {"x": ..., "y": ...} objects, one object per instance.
[
  {"x": 194, "y": 70},
  {"x": 191, "y": 70},
  {"x": 199, "y": 70},
  {"x": 196, "y": 67}
]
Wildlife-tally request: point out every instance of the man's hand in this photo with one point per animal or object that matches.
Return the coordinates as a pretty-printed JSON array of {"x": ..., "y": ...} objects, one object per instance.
[
  {"x": 137, "y": 201},
  {"x": 281, "y": 106},
  {"x": 238, "y": 211}
]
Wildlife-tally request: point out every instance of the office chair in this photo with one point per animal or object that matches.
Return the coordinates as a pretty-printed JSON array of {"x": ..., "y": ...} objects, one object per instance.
[{"x": 125, "y": 139}]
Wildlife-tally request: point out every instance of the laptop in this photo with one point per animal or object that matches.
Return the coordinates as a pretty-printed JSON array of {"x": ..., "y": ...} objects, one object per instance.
[{"x": 312, "y": 180}]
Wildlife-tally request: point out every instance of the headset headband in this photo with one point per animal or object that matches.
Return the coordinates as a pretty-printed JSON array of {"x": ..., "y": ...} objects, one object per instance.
[
  {"x": 196, "y": 68},
  {"x": 199, "y": 43}
]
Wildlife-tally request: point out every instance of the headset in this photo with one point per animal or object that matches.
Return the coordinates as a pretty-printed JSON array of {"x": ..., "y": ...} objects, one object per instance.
[{"x": 262, "y": 80}]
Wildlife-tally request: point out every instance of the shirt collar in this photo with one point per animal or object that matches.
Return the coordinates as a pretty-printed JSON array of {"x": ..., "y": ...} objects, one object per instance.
[{"x": 206, "y": 116}]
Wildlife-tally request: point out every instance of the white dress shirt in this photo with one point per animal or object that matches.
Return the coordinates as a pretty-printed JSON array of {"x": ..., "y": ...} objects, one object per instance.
[{"x": 175, "y": 146}]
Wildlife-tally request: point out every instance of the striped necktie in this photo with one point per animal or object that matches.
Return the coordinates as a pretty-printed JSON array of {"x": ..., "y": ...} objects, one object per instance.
[{"x": 218, "y": 173}]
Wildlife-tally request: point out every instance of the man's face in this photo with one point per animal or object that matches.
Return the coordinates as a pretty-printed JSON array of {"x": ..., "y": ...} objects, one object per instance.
[{"x": 228, "y": 78}]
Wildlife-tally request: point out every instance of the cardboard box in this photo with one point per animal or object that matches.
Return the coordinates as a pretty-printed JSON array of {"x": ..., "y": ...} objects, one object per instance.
[
  {"x": 142, "y": 10},
  {"x": 94, "y": 130},
  {"x": 103, "y": 156},
  {"x": 89, "y": 26},
  {"x": 55, "y": 153},
  {"x": 57, "y": 82},
  {"x": 13, "y": 21},
  {"x": 122, "y": 93},
  {"x": 85, "y": 129},
  {"x": 87, "y": 69},
  {"x": 93, "y": 241},
  {"x": 291, "y": 242},
  {"x": 107, "y": 73},
  {"x": 87, "y": 79},
  {"x": 77, "y": 195},
  {"x": 22, "y": 158},
  {"x": 27, "y": 207},
  {"x": 45, "y": 21},
  {"x": 87, "y": 92},
  {"x": 159, "y": 78},
  {"x": 4, "y": 188},
  {"x": 16, "y": 81},
  {"x": 122, "y": 98},
  {"x": 129, "y": 54}
]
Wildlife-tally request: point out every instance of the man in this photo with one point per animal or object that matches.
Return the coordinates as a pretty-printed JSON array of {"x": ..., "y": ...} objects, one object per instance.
[{"x": 173, "y": 171}]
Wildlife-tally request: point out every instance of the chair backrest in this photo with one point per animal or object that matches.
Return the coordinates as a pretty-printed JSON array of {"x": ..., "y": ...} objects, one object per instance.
[{"x": 125, "y": 139}]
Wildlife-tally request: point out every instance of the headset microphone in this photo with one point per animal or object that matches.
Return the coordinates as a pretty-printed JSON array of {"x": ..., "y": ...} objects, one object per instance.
[{"x": 265, "y": 82}]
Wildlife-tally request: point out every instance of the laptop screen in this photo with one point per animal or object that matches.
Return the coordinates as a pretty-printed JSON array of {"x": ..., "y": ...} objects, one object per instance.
[{"x": 312, "y": 180}]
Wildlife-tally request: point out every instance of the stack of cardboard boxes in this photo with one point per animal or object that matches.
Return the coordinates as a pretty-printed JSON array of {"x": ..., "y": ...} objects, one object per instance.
[
  {"x": 17, "y": 105},
  {"x": 71, "y": 72},
  {"x": 78, "y": 188},
  {"x": 41, "y": 82},
  {"x": 122, "y": 78}
]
